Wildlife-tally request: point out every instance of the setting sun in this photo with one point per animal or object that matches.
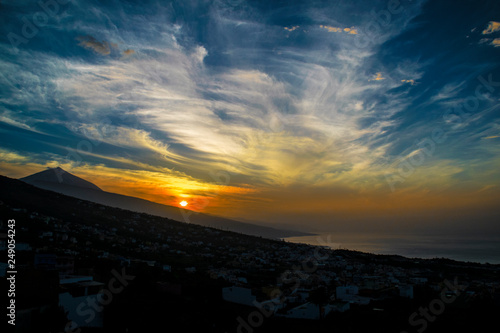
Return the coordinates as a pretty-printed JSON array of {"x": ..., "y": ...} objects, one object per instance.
[{"x": 183, "y": 203}]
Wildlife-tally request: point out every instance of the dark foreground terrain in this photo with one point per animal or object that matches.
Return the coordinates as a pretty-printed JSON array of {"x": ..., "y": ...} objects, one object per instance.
[{"x": 155, "y": 274}]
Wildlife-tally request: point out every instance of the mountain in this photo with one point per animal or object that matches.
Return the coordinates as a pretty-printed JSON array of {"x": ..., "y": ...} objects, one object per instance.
[
  {"x": 63, "y": 182},
  {"x": 57, "y": 176}
]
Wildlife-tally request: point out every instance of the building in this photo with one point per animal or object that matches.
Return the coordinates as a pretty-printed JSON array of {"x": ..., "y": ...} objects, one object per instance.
[
  {"x": 63, "y": 264},
  {"x": 81, "y": 299},
  {"x": 313, "y": 311},
  {"x": 345, "y": 291},
  {"x": 45, "y": 261},
  {"x": 350, "y": 294},
  {"x": 339, "y": 306},
  {"x": 238, "y": 295},
  {"x": 406, "y": 291},
  {"x": 304, "y": 311}
]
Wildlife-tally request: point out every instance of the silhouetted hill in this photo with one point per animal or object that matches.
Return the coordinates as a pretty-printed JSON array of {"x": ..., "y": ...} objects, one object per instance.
[
  {"x": 201, "y": 261},
  {"x": 57, "y": 176},
  {"x": 79, "y": 188}
]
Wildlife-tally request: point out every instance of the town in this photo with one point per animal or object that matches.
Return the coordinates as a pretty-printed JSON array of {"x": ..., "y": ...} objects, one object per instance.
[{"x": 87, "y": 267}]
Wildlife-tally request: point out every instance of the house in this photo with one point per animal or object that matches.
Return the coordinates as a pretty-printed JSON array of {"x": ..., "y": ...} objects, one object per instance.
[
  {"x": 45, "y": 261},
  {"x": 299, "y": 294},
  {"x": 339, "y": 306},
  {"x": 350, "y": 294},
  {"x": 304, "y": 311},
  {"x": 63, "y": 264},
  {"x": 344, "y": 291},
  {"x": 418, "y": 280},
  {"x": 356, "y": 299},
  {"x": 372, "y": 282},
  {"x": 80, "y": 299},
  {"x": 406, "y": 291},
  {"x": 311, "y": 311},
  {"x": 238, "y": 295}
]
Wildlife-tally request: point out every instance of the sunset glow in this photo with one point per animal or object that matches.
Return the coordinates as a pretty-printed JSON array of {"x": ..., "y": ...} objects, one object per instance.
[{"x": 321, "y": 117}]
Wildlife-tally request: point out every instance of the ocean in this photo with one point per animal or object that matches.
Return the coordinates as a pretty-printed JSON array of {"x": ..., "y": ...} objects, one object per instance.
[{"x": 472, "y": 249}]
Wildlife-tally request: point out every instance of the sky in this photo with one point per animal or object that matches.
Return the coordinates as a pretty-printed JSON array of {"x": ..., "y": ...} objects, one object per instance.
[{"x": 360, "y": 116}]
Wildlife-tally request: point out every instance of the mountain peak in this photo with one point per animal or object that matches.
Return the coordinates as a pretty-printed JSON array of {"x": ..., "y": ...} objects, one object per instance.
[{"x": 59, "y": 176}]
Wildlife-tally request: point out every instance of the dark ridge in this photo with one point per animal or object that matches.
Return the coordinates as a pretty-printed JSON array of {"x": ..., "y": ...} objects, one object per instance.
[{"x": 59, "y": 176}]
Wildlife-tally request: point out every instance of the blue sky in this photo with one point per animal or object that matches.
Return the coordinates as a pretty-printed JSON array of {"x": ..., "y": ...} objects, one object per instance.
[{"x": 335, "y": 110}]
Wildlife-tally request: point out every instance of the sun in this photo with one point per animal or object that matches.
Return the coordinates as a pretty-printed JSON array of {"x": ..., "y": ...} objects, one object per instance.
[{"x": 183, "y": 203}]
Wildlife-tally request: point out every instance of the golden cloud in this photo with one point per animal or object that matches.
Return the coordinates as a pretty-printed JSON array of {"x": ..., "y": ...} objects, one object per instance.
[
  {"x": 378, "y": 77},
  {"x": 412, "y": 82},
  {"x": 492, "y": 27},
  {"x": 330, "y": 28},
  {"x": 351, "y": 31}
]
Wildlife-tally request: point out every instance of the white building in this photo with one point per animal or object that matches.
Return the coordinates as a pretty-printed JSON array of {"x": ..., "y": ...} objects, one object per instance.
[{"x": 81, "y": 300}]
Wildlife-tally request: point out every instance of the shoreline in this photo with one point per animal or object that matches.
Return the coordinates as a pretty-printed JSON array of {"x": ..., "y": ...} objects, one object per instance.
[{"x": 478, "y": 250}]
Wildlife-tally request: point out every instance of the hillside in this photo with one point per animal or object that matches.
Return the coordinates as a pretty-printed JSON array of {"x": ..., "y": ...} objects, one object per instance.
[
  {"x": 201, "y": 261},
  {"x": 61, "y": 181}
]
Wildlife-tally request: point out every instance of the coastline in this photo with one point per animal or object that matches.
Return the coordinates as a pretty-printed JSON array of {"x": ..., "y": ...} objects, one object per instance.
[{"x": 474, "y": 249}]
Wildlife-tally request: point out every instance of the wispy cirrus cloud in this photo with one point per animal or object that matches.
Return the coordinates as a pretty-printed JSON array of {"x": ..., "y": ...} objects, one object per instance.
[
  {"x": 101, "y": 47},
  {"x": 193, "y": 88}
]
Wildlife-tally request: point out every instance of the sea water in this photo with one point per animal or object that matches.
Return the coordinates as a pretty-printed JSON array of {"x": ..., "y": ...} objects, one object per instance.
[{"x": 468, "y": 249}]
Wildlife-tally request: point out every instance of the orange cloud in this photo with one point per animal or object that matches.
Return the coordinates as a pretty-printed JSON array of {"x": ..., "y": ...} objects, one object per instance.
[
  {"x": 378, "y": 77},
  {"x": 412, "y": 82},
  {"x": 351, "y": 31},
  {"x": 492, "y": 27},
  {"x": 330, "y": 28}
]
